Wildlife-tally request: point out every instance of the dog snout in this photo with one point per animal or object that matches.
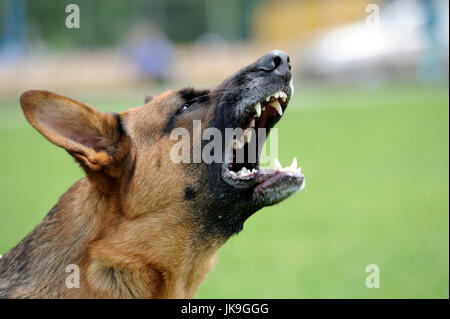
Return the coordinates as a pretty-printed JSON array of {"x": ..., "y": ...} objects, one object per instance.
[{"x": 276, "y": 62}]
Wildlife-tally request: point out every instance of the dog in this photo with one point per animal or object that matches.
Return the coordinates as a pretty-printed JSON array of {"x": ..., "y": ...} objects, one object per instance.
[{"x": 140, "y": 225}]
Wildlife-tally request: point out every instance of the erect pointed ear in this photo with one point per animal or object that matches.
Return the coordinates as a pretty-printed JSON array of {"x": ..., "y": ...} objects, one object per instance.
[{"x": 89, "y": 135}]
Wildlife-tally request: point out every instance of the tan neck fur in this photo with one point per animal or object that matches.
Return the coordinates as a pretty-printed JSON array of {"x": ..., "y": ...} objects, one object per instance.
[{"x": 151, "y": 256}]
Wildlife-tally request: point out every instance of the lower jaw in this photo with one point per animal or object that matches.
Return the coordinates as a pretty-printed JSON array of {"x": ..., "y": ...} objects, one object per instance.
[
  {"x": 277, "y": 187},
  {"x": 269, "y": 186}
]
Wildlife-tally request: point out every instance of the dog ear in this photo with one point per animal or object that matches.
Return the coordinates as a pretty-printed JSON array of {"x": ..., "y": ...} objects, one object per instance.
[
  {"x": 149, "y": 97},
  {"x": 87, "y": 134}
]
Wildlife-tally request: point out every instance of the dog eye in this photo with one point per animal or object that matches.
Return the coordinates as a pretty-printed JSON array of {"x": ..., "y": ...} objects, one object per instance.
[{"x": 183, "y": 108}]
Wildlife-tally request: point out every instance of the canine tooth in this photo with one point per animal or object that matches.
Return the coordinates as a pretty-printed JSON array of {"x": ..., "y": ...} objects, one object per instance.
[
  {"x": 247, "y": 135},
  {"x": 244, "y": 171},
  {"x": 275, "y": 95},
  {"x": 276, "y": 105},
  {"x": 252, "y": 123},
  {"x": 241, "y": 141},
  {"x": 238, "y": 143},
  {"x": 268, "y": 98},
  {"x": 293, "y": 166},
  {"x": 277, "y": 164},
  {"x": 258, "y": 109}
]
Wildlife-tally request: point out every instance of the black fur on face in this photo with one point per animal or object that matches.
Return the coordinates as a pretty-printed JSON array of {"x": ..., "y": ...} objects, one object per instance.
[{"x": 223, "y": 208}]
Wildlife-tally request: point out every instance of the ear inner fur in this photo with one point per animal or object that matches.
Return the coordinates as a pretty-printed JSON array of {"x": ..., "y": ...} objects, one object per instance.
[{"x": 84, "y": 132}]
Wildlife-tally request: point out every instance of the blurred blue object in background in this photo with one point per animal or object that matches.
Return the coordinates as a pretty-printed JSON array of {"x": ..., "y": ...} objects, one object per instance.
[
  {"x": 151, "y": 52},
  {"x": 14, "y": 36},
  {"x": 430, "y": 66}
]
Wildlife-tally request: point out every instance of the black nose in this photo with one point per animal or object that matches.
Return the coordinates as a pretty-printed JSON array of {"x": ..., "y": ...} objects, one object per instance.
[{"x": 276, "y": 61}]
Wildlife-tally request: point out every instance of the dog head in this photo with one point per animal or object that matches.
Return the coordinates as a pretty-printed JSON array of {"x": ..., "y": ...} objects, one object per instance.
[{"x": 208, "y": 176}]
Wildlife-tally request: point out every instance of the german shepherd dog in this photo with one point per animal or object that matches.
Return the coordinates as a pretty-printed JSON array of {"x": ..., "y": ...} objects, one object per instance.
[{"x": 140, "y": 225}]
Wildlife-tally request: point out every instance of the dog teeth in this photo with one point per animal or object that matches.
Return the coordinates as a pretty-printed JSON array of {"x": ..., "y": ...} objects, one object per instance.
[
  {"x": 244, "y": 172},
  {"x": 238, "y": 143},
  {"x": 258, "y": 109},
  {"x": 280, "y": 94},
  {"x": 277, "y": 164},
  {"x": 244, "y": 138},
  {"x": 276, "y": 105},
  {"x": 293, "y": 166},
  {"x": 289, "y": 169},
  {"x": 247, "y": 135}
]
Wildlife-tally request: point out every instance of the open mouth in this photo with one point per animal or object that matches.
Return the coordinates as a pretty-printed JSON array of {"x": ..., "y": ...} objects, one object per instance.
[{"x": 271, "y": 184}]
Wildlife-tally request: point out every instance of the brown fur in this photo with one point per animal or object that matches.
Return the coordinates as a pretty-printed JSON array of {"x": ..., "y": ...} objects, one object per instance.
[
  {"x": 126, "y": 245},
  {"x": 140, "y": 225}
]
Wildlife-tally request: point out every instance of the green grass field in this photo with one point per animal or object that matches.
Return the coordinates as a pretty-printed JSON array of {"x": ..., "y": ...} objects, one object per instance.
[{"x": 376, "y": 163}]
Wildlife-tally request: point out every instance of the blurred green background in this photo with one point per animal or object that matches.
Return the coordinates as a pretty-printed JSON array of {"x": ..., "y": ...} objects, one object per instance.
[
  {"x": 370, "y": 132},
  {"x": 376, "y": 166}
]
